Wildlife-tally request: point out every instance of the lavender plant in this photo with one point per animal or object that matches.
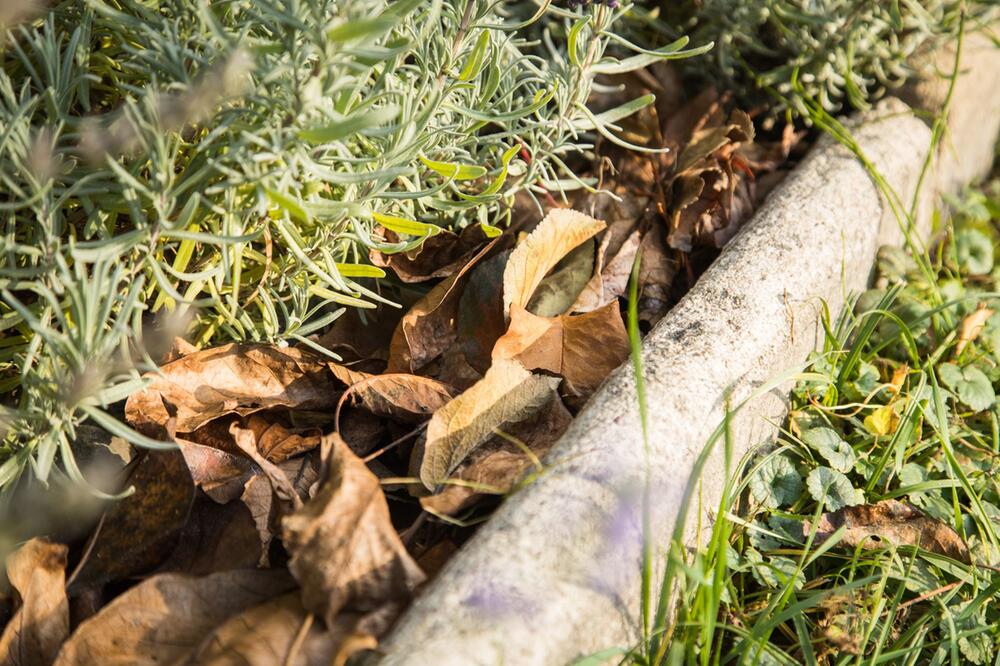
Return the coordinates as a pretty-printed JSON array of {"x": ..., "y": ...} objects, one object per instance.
[
  {"x": 224, "y": 167},
  {"x": 841, "y": 52}
]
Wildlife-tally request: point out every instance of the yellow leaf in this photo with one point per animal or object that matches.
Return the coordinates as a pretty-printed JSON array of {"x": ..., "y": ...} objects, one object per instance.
[
  {"x": 507, "y": 393},
  {"x": 554, "y": 237},
  {"x": 883, "y": 421}
]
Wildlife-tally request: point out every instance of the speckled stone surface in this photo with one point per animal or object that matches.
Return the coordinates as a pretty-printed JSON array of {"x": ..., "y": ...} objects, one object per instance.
[{"x": 554, "y": 575}]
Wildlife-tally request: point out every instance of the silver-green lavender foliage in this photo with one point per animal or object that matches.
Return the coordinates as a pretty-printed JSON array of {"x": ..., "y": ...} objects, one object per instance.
[
  {"x": 837, "y": 52},
  {"x": 223, "y": 168}
]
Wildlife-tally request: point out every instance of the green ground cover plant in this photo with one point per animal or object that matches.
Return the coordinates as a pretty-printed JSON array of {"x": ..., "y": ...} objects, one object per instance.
[
  {"x": 224, "y": 169},
  {"x": 867, "y": 532}
]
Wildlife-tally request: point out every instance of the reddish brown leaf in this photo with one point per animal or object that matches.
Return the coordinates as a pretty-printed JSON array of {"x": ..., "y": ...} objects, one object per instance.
[
  {"x": 891, "y": 523},
  {"x": 344, "y": 550},
  {"x": 37, "y": 570},
  {"x": 276, "y": 442},
  {"x": 232, "y": 379},
  {"x": 481, "y": 321},
  {"x": 398, "y": 395},
  {"x": 584, "y": 348},
  {"x": 428, "y": 329},
  {"x": 220, "y": 474}
]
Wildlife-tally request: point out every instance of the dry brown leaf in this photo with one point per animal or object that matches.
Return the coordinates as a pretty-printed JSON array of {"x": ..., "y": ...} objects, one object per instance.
[
  {"x": 972, "y": 326},
  {"x": 656, "y": 275},
  {"x": 428, "y": 329},
  {"x": 37, "y": 570},
  {"x": 343, "y": 549},
  {"x": 397, "y": 395},
  {"x": 276, "y": 442},
  {"x": 246, "y": 439},
  {"x": 217, "y": 537},
  {"x": 583, "y": 348},
  {"x": 162, "y": 619},
  {"x": 891, "y": 522},
  {"x": 439, "y": 256},
  {"x": 532, "y": 259},
  {"x": 361, "y": 334},
  {"x": 232, "y": 379},
  {"x": 220, "y": 474},
  {"x": 434, "y": 558},
  {"x": 507, "y": 393},
  {"x": 558, "y": 290},
  {"x": 281, "y": 631},
  {"x": 140, "y": 531},
  {"x": 481, "y": 320},
  {"x": 499, "y": 463},
  {"x": 267, "y": 506}
]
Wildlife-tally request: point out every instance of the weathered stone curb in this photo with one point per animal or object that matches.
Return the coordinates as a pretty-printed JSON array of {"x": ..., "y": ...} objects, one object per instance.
[{"x": 554, "y": 575}]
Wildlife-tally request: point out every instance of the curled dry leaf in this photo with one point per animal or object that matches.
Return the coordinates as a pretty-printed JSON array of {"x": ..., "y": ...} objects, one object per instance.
[
  {"x": 344, "y": 551},
  {"x": 276, "y": 442},
  {"x": 220, "y": 474},
  {"x": 164, "y": 618},
  {"x": 498, "y": 464},
  {"x": 583, "y": 348},
  {"x": 558, "y": 290},
  {"x": 532, "y": 259},
  {"x": 481, "y": 321},
  {"x": 37, "y": 570},
  {"x": 507, "y": 393},
  {"x": 401, "y": 396},
  {"x": 267, "y": 506},
  {"x": 232, "y": 379},
  {"x": 891, "y": 522},
  {"x": 712, "y": 195},
  {"x": 972, "y": 326},
  {"x": 428, "y": 329},
  {"x": 246, "y": 439}
]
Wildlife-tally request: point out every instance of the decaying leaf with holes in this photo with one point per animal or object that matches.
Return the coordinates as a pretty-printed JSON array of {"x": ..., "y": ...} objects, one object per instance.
[{"x": 891, "y": 522}]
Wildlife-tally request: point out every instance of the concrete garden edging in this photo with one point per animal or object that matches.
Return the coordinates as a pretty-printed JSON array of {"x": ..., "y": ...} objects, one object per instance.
[{"x": 554, "y": 575}]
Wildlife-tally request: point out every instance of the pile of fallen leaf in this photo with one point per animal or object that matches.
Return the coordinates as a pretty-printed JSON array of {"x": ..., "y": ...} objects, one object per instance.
[{"x": 307, "y": 498}]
